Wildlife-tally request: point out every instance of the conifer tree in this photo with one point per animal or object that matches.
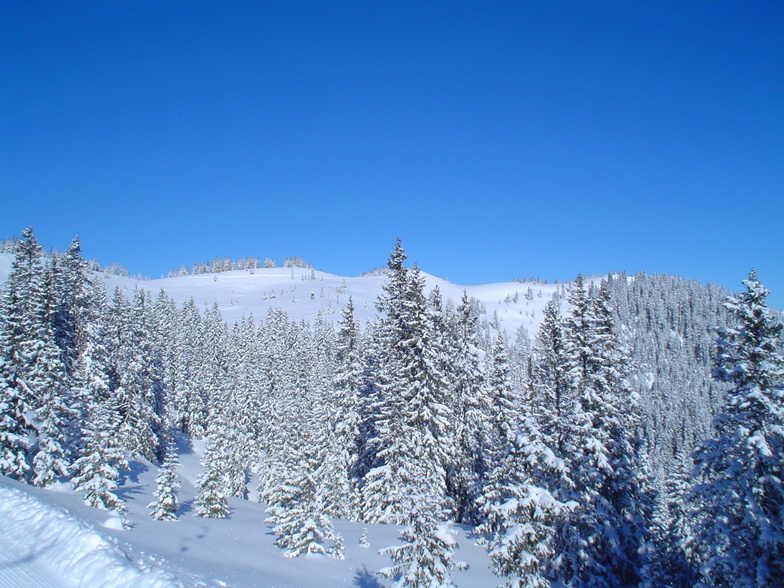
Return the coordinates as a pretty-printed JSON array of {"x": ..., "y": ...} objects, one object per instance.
[
  {"x": 48, "y": 382},
  {"x": 520, "y": 512},
  {"x": 667, "y": 562},
  {"x": 296, "y": 506},
  {"x": 549, "y": 378},
  {"x": 470, "y": 407},
  {"x": 599, "y": 544},
  {"x": 97, "y": 471},
  {"x": 76, "y": 306},
  {"x": 188, "y": 399},
  {"x": 504, "y": 419},
  {"x": 413, "y": 425},
  {"x": 165, "y": 505},
  {"x": 738, "y": 499},
  {"x": 20, "y": 326},
  {"x": 426, "y": 557},
  {"x": 14, "y": 425},
  {"x": 212, "y": 483},
  {"x": 345, "y": 409}
]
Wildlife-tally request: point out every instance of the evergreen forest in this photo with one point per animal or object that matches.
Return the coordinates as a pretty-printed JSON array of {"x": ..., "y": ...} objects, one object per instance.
[{"x": 637, "y": 439}]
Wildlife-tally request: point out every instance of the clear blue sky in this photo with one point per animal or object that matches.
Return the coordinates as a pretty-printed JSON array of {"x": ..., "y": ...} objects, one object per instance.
[{"x": 497, "y": 139}]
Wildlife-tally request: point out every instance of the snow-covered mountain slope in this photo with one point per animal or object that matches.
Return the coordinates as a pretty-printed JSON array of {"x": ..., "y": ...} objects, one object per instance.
[
  {"x": 50, "y": 538},
  {"x": 303, "y": 293}
]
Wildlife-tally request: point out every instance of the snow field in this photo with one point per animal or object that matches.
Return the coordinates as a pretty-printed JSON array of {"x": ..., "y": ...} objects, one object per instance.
[
  {"x": 67, "y": 543},
  {"x": 69, "y": 549}
]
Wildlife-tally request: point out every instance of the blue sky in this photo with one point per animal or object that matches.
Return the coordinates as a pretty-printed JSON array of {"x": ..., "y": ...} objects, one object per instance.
[{"x": 497, "y": 139}]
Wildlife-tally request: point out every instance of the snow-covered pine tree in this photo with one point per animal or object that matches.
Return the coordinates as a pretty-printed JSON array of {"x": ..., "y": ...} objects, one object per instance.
[
  {"x": 15, "y": 428},
  {"x": 165, "y": 505},
  {"x": 188, "y": 400},
  {"x": 20, "y": 326},
  {"x": 345, "y": 408},
  {"x": 296, "y": 503},
  {"x": 163, "y": 333},
  {"x": 738, "y": 498},
  {"x": 426, "y": 557},
  {"x": 470, "y": 407},
  {"x": 370, "y": 396},
  {"x": 97, "y": 471},
  {"x": 212, "y": 483},
  {"x": 549, "y": 385},
  {"x": 48, "y": 382},
  {"x": 667, "y": 563},
  {"x": 17, "y": 306},
  {"x": 92, "y": 369},
  {"x": 363, "y": 539},
  {"x": 413, "y": 426},
  {"x": 504, "y": 410},
  {"x": 519, "y": 512},
  {"x": 76, "y": 305},
  {"x": 382, "y": 411},
  {"x": 147, "y": 363},
  {"x": 600, "y": 542}
]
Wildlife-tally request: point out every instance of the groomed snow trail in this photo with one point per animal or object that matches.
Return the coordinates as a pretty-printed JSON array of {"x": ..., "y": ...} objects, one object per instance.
[
  {"x": 54, "y": 544},
  {"x": 19, "y": 569}
]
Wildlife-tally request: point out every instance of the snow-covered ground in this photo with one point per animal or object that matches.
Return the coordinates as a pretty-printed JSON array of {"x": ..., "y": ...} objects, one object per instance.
[
  {"x": 241, "y": 292},
  {"x": 50, "y": 538},
  {"x": 302, "y": 293}
]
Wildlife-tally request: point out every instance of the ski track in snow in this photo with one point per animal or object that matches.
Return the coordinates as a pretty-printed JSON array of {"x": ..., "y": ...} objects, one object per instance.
[{"x": 22, "y": 568}]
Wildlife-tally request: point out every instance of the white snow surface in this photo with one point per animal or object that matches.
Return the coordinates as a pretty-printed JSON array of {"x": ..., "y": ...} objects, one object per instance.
[
  {"x": 50, "y": 538},
  {"x": 62, "y": 549},
  {"x": 253, "y": 292}
]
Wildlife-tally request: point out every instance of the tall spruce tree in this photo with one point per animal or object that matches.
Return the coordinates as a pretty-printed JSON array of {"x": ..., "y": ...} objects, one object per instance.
[
  {"x": 600, "y": 542},
  {"x": 216, "y": 462},
  {"x": 50, "y": 386},
  {"x": 20, "y": 326},
  {"x": 345, "y": 423},
  {"x": 738, "y": 499},
  {"x": 413, "y": 425},
  {"x": 549, "y": 378},
  {"x": 519, "y": 511},
  {"x": 426, "y": 557},
  {"x": 470, "y": 407},
  {"x": 15, "y": 428},
  {"x": 297, "y": 502}
]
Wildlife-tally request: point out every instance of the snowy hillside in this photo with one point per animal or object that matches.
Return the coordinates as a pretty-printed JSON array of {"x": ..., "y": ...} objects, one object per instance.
[
  {"x": 303, "y": 293},
  {"x": 286, "y": 435}
]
